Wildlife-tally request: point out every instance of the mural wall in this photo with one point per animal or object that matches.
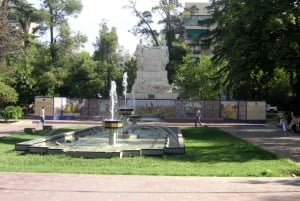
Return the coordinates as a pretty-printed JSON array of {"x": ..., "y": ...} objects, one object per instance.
[
  {"x": 48, "y": 103},
  {"x": 238, "y": 111}
]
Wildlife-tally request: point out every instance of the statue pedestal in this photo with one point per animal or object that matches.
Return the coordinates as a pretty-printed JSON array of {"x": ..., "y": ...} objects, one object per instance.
[{"x": 151, "y": 78}]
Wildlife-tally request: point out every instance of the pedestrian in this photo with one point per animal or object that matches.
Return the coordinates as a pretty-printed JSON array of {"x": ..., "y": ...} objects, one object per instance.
[
  {"x": 283, "y": 122},
  {"x": 198, "y": 118},
  {"x": 42, "y": 116}
]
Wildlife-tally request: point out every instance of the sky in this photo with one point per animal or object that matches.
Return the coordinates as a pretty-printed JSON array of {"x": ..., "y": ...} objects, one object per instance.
[{"x": 114, "y": 13}]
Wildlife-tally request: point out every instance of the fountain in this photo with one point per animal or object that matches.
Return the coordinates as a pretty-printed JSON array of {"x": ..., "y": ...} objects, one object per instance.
[
  {"x": 116, "y": 138},
  {"x": 125, "y": 111},
  {"x": 112, "y": 122}
]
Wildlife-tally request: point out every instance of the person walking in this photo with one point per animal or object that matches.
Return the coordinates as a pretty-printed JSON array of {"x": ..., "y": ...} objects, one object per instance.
[
  {"x": 198, "y": 118},
  {"x": 42, "y": 116}
]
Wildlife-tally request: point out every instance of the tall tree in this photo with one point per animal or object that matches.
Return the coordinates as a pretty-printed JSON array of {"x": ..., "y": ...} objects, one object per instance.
[
  {"x": 168, "y": 10},
  {"x": 246, "y": 35},
  {"x": 25, "y": 15},
  {"x": 284, "y": 27},
  {"x": 173, "y": 26},
  {"x": 57, "y": 13},
  {"x": 106, "y": 53},
  {"x": 9, "y": 35},
  {"x": 144, "y": 26},
  {"x": 9, "y": 48}
]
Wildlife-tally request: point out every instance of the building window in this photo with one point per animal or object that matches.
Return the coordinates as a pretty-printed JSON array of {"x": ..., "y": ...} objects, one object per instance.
[
  {"x": 195, "y": 33},
  {"x": 194, "y": 20}
]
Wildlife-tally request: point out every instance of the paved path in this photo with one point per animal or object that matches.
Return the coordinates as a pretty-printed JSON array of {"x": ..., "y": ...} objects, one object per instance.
[{"x": 79, "y": 187}]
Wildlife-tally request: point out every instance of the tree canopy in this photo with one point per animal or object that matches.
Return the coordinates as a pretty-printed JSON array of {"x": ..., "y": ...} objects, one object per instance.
[{"x": 255, "y": 38}]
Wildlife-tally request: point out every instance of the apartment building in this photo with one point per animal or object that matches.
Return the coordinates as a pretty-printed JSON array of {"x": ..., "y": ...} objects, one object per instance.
[{"x": 195, "y": 29}]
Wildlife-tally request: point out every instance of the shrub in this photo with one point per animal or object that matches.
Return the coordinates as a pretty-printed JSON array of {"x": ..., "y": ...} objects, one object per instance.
[{"x": 11, "y": 112}]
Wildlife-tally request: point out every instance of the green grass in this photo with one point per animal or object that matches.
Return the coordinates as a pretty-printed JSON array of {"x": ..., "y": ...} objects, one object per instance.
[{"x": 209, "y": 152}]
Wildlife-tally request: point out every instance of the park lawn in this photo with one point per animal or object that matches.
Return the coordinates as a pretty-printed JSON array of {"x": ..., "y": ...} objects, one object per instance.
[{"x": 209, "y": 152}]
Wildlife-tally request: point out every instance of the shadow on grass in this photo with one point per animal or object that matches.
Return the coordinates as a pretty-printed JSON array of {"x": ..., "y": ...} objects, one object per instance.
[
  {"x": 17, "y": 138},
  {"x": 212, "y": 145}
]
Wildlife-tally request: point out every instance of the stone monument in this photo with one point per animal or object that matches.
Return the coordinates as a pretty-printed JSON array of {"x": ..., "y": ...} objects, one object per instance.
[{"x": 151, "y": 77}]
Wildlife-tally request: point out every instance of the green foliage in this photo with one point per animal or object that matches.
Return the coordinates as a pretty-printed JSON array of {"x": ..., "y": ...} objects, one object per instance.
[
  {"x": 106, "y": 43},
  {"x": 279, "y": 90},
  {"x": 105, "y": 53},
  {"x": 55, "y": 14},
  {"x": 197, "y": 79},
  {"x": 177, "y": 54},
  {"x": 7, "y": 94},
  {"x": 255, "y": 38},
  {"x": 24, "y": 82},
  {"x": 170, "y": 19},
  {"x": 130, "y": 68},
  {"x": 11, "y": 112}
]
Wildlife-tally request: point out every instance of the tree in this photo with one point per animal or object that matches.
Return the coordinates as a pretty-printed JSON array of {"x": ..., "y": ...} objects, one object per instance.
[
  {"x": 176, "y": 54},
  {"x": 7, "y": 94},
  {"x": 11, "y": 112},
  {"x": 170, "y": 19},
  {"x": 285, "y": 29},
  {"x": 173, "y": 26},
  {"x": 83, "y": 79},
  {"x": 251, "y": 37},
  {"x": 55, "y": 16},
  {"x": 144, "y": 26},
  {"x": 130, "y": 68},
  {"x": 25, "y": 15},
  {"x": 43, "y": 73},
  {"x": 9, "y": 46},
  {"x": 196, "y": 79},
  {"x": 280, "y": 90},
  {"x": 106, "y": 54}
]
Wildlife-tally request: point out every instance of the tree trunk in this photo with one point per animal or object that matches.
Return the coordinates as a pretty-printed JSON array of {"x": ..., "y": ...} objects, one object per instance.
[
  {"x": 52, "y": 42},
  {"x": 297, "y": 91}
]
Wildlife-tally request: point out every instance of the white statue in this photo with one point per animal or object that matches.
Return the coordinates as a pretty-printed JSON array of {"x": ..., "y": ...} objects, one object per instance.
[
  {"x": 139, "y": 54},
  {"x": 151, "y": 72}
]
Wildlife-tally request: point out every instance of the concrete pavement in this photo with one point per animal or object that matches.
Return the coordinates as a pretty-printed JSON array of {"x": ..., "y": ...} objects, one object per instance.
[{"x": 78, "y": 187}]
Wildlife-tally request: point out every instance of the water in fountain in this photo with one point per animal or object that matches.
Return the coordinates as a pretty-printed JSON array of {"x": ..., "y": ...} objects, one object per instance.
[
  {"x": 124, "y": 83},
  {"x": 113, "y": 99},
  {"x": 133, "y": 101},
  {"x": 125, "y": 111}
]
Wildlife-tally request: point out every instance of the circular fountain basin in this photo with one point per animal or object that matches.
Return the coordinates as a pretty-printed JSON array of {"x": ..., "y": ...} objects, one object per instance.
[
  {"x": 99, "y": 142},
  {"x": 109, "y": 123}
]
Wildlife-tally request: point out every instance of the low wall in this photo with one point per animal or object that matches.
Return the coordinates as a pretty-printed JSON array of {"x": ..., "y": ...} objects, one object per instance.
[{"x": 170, "y": 110}]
